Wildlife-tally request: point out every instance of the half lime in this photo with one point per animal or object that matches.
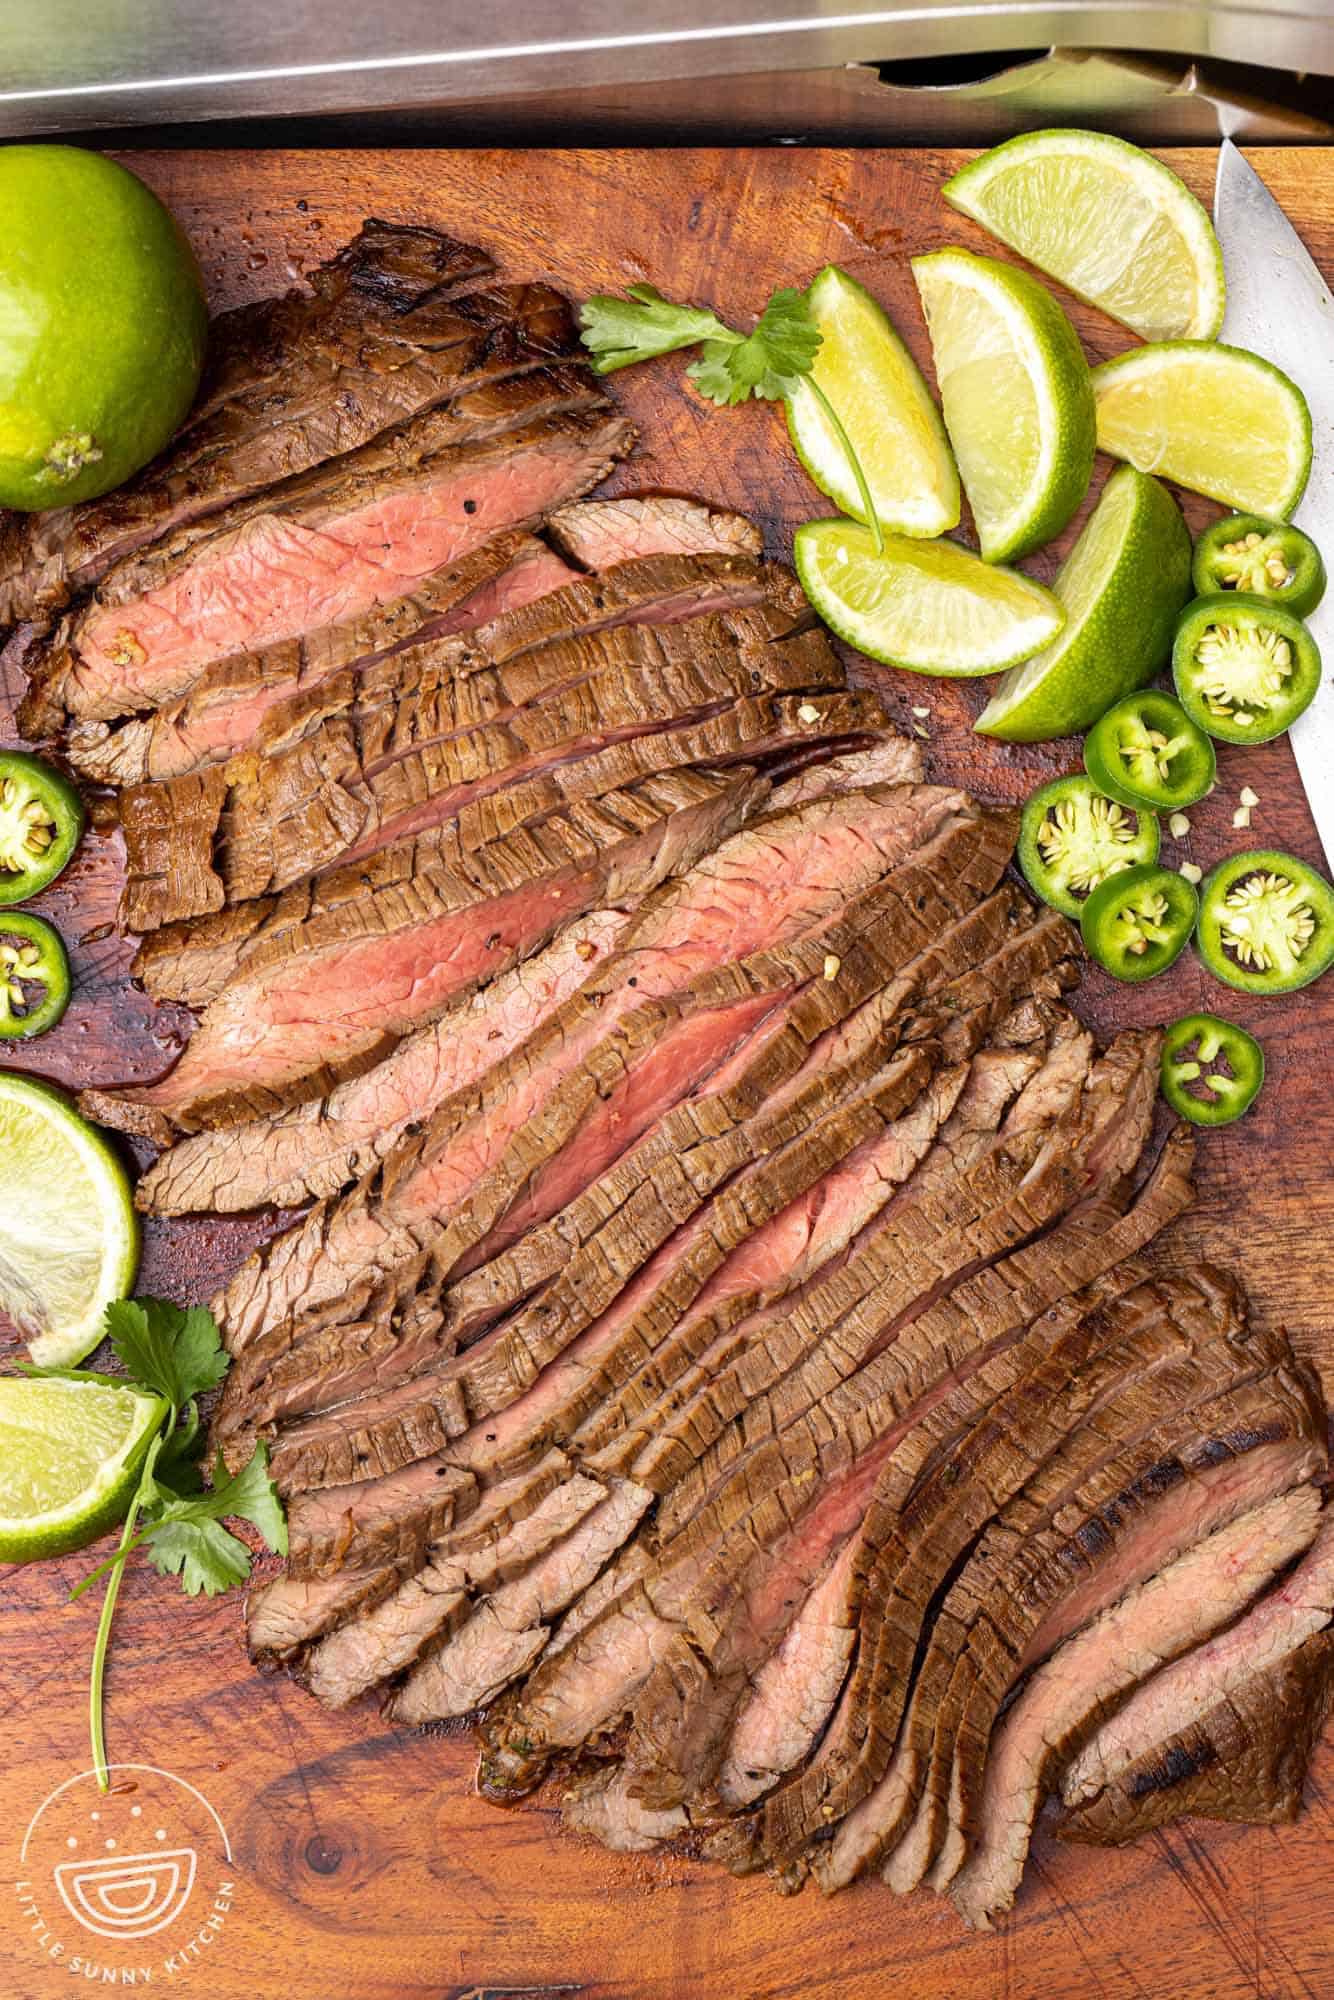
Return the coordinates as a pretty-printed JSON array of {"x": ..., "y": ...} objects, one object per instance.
[
  {"x": 885, "y": 407},
  {"x": 1018, "y": 403},
  {"x": 1216, "y": 419},
  {"x": 70, "y": 1454},
  {"x": 1109, "y": 221},
  {"x": 1122, "y": 585},
  {"x": 69, "y": 1237},
  {"x": 930, "y": 607}
]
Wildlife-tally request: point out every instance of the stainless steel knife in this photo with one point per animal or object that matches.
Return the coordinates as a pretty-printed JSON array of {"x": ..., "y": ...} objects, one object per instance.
[{"x": 1279, "y": 306}]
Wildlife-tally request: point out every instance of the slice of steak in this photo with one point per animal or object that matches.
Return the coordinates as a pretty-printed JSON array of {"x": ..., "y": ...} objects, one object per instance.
[
  {"x": 290, "y": 381},
  {"x": 294, "y": 1611},
  {"x": 597, "y": 534},
  {"x": 933, "y": 1783},
  {"x": 320, "y": 1147},
  {"x": 795, "y": 1689},
  {"x": 367, "y": 1527},
  {"x": 237, "y": 699},
  {"x": 759, "y": 888},
  {"x": 1140, "y": 1736},
  {"x": 281, "y": 687},
  {"x": 1243, "y": 1759},
  {"x": 483, "y": 1558},
  {"x": 1201, "y": 1591},
  {"x": 417, "y": 747},
  {"x": 510, "y": 1629},
  {"x": 336, "y": 974},
  {"x": 327, "y": 546}
]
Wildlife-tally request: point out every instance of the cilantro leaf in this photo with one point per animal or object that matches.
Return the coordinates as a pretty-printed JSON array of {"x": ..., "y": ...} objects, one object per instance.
[
  {"x": 203, "y": 1554},
  {"x": 172, "y": 1350},
  {"x": 642, "y": 325},
  {"x": 248, "y": 1495},
  {"x": 769, "y": 362}
]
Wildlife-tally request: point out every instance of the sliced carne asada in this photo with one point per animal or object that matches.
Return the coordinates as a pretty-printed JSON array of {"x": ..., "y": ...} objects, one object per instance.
[
  {"x": 936, "y": 1520},
  {"x": 950, "y": 1222},
  {"x": 890, "y": 760},
  {"x": 977, "y": 1644},
  {"x": 291, "y": 381},
  {"x": 424, "y": 1412},
  {"x": 415, "y": 749},
  {"x": 321, "y": 1147},
  {"x": 508, "y": 1632},
  {"x": 1243, "y": 1759},
  {"x": 778, "y": 880},
  {"x": 341, "y": 972},
  {"x": 279, "y": 689},
  {"x": 597, "y": 534},
  {"x": 855, "y": 1432},
  {"x": 236, "y": 699},
  {"x": 328, "y": 1366},
  {"x": 643, "y": 1201},
  {"x": 1099, "y": 1238},
  {"x": 1200, "y": 1592},
  {"x": 1140, "y": 1737},
  {"x": 439, "y": 1603},
  {"x": 329, "y": 545},
  {"x": 288, "y": 1615}
]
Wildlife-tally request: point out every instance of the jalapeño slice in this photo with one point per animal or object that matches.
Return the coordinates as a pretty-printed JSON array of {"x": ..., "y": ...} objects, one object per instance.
[
  {"x": 34, "y": 976},
  {"x": 1268, "y": 559},
  {"x": 41, "y": 819},
  {"x": 1244, "y": 669},
  {"x": 1138, "y": 922},
  {"x": 1211, "y": 1069},
  {"x": 1147, "y": 752},
  {"x": 1072, "y": 837},
  {"x": 1266, "y": 922}
]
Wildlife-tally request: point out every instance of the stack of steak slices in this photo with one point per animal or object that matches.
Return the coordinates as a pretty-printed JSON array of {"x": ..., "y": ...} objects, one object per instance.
[{"x": 718, "y": 1342}]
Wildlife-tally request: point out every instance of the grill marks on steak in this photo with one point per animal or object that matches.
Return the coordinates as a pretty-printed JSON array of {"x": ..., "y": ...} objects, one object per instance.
[
  {"x": 1243, "y": 1759},
  {"x": 328, "y": 546},
  {"x": 293, "y": 380},
  {"x": 320, "y": 984},
  {"x": 1113, "y": 1769}
]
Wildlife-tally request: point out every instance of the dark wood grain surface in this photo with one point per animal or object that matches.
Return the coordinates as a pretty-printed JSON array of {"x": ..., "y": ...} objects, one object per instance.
[{"x": 366, "y": 1868}]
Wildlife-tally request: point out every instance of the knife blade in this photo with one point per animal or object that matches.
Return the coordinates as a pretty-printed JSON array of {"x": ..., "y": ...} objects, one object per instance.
[{"x": 1279, "y": 306}]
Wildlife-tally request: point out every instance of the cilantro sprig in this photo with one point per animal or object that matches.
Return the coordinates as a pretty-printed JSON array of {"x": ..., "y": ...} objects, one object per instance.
[
  {"x": 175, "y": 1353},
  {"x": 768, "y": 362}
]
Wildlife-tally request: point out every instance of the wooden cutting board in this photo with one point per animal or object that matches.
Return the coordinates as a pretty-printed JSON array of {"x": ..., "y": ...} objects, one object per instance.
[{"x": 363, "y": 1865}]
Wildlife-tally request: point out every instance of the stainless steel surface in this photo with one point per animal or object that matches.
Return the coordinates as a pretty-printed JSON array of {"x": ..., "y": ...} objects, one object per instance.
[
  {"x": 1279, "y": 305},
  {"x": 68, "y": 65}
]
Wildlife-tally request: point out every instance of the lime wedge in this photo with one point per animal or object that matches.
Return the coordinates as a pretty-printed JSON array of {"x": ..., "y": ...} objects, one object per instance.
[
  {"x": 1113, "y": 224},
  {"x": 70, "y": 1454},
  {"x": 885, "y": 407},
  {"x": 931, "y": 607},
  {"x": 1018, "y": 403},
  {"x": 69, "y": 1238},
  {"x": 1122, "y": 585},
  {"x": 1213, "y": 418}
]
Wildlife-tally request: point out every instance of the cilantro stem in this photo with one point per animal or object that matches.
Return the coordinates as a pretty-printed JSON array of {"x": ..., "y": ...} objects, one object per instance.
[
  {"x": 855, "y": 464},
  {"x": 96, "y": 1719}
]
